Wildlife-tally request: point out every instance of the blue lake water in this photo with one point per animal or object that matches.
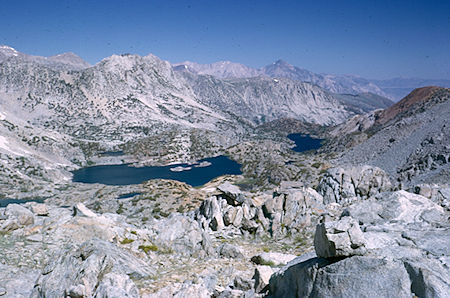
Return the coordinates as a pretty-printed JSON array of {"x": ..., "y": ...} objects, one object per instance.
[
  {"x": 6, "y": 202},
  {"x": 304, "y": 142},
  {"x": 129, "y": 195},
  {"x": 125, "y": 174}
]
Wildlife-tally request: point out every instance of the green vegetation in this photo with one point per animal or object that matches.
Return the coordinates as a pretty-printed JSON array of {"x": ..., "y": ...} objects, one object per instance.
[
  {"x": 120, "y": 210},
  {"x": 148, "y": 248},
  {"x": 126, "y": 241},
  {"x": 316, "y": 165}
]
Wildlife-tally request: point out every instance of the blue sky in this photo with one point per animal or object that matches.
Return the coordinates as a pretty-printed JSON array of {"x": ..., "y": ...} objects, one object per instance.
[{"x": 374, "y": 39}]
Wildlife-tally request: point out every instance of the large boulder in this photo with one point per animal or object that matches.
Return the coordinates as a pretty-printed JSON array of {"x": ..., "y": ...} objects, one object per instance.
[
  {"x": 16, "y": 217},
  {"x": 231, "y": 193},
  {"x": 181, "y": 234},
  {"x": 212, "y": 211},
  {"x": 96, "y": 268},
  {"x": 429, "y": 278},
  {"x": 293, "y": 210},
  {"x": 357, "y": 276},
  {"x": 230, "y": 251},
  {"x": 39, "y": 209},
  {"x": 300, "y": 206},
  {"x": 341, "y": 238}
]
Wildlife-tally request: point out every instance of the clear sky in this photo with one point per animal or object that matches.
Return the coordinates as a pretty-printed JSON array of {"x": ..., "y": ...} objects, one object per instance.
[{"x": 374, "y": 39}]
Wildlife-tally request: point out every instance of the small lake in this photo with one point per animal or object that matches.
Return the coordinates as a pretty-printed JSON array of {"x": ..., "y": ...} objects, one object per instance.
[
  {"x": 129, "y": 195},
  {"x": 6, "y": 202},
  {"x": 193, "y": 174},
  {"x": 304, "y": 142}
]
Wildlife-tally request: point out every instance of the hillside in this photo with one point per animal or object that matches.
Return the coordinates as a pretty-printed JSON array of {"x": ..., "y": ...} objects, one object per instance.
[
  {"x": 57, "y": 117},
  {"x": 409, "y": 139},
  {"x": 285, "y": 222}
]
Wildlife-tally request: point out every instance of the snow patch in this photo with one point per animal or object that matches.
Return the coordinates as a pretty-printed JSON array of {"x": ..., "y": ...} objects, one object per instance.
[
  {"x": 2, "y": 116},
  {"x": 4, "y": 143},
  {"x": 18, "y": 151},
  {"x": 8, "y": 48}
]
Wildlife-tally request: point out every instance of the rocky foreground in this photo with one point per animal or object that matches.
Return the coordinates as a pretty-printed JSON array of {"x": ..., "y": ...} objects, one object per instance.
[{"x": 355, "y": 235}]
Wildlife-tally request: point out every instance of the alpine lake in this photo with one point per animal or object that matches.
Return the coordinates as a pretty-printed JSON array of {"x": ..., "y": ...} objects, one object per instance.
[{"x": 195, "y": 174}]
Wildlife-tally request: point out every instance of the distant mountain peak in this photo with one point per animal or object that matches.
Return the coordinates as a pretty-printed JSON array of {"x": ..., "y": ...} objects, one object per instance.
[
  {"x": 66, "y": 55},
  {"x": 70, "y": 59},
  {"x": 281, "y": 62}
]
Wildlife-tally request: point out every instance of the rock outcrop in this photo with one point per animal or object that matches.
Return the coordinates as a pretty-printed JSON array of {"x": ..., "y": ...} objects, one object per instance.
[
  {"x": 341, "y": 238},
  {"x": 378, "y": 244},
  {"x": 16, "y": 216},
  {"x": 344, "y": 186},
  {"x": 97, "y": 268},
  {"x": 394, "y": 244},
  {"x": 288, "y": 211}
]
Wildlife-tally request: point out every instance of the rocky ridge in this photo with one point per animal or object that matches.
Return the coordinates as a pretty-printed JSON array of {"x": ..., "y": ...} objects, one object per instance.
[
  {"x": 393, "y": 237},
  {"x": 410, "y": 138},
  {"x": 292, "y": 222},
  {"x": 387, "y": 245}
]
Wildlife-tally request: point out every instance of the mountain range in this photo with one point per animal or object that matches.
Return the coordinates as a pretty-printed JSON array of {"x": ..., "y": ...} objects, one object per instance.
[
  {"x": 365, "y": 215},
  {"x": 57, "y": 113},
  {"x": 394, "y": 89}
]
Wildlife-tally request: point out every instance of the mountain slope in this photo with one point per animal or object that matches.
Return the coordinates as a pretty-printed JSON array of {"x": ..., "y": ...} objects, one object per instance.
[
  {"x": 263, "y": 99},
  {"x": 363, "y": 102},
  {"x": 410, "y": 103},
  {"x": 409, "y": 140}
]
